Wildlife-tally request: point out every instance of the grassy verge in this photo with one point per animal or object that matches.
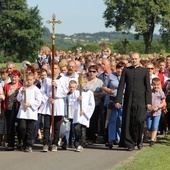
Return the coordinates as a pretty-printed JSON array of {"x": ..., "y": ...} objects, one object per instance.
[
  {"x": 151, "y": 158},
  {"x": 17, "y": 65}
]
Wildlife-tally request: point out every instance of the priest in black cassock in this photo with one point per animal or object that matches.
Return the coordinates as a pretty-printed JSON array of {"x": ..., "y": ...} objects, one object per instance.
[{"x": 137, "y": 99}]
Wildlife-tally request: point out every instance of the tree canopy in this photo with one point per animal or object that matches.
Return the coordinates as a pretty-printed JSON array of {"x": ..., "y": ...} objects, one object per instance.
[
  {"x": 140, "y": 15},
  {"x": 20, "y": 30}
]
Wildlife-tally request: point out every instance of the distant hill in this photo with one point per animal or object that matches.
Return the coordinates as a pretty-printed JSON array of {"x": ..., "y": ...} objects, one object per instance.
[{"x": 64, "y": 41}]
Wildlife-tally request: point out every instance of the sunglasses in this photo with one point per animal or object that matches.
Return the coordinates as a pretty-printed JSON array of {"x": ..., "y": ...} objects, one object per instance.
[
  {"x": 91, "y": 71},
  {"x": 150, "y": 68}
]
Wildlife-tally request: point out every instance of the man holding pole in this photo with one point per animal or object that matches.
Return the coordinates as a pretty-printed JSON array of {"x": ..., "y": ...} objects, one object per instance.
[
  {"x": 54, "y": 93},
  {"x": 60, "y": 92}
]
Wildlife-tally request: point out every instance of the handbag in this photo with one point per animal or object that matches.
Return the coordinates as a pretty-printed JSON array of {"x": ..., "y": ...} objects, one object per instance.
[{"x": 62, "y": 130}]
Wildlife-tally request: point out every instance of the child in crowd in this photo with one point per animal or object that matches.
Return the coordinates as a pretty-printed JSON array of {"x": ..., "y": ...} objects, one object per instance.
[
  {"x": 38, "y": 135},
  {"x": 70, "y": 137},
  {"x": 82, "y": 115},
  {"x": 4, "y": 76},
  {"x": 154, "y": 114},
  {"x": 30, "y": 99},
  {"x": 60, "y": 85}
]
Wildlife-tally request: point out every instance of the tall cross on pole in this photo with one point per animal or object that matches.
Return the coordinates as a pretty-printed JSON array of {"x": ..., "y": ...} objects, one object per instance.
[
  {"x": 53, "y": 22},
  {"x": 125, "y": 42}
]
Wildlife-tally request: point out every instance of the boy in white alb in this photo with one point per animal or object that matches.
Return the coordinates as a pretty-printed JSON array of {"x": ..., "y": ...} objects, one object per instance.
[
  {"x": 30, "y": 100},
  {"x": 60, "y": 91},
  {"x": 69, "y": 138},
  {"x": 81, "y": 118}
]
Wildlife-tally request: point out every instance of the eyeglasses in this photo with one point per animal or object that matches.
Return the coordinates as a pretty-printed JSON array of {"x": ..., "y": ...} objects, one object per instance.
[
  {"x": 150, "y": 68},
  {"x": 91, "y": 71}
]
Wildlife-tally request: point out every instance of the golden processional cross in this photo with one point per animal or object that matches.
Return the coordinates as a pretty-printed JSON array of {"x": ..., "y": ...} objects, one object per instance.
[{"x": 53, "y": 22}]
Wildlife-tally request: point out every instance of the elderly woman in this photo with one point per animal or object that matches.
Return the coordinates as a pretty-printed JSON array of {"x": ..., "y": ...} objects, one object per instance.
[
  {"x": 11, "y": 106},
  {"x": 115, "y": 120},
  {"x": 4, "y": 79}
]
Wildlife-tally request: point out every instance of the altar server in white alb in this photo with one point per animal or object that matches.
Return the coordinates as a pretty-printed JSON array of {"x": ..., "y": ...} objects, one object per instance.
[
  {"x": 30, "y": 100},
  {"x": 60, "y": 92},
  {"x": 81, "y": 118}
]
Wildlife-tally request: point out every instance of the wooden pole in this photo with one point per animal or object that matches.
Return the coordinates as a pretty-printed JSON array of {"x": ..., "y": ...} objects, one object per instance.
[
  {"x": 24, "y": 83},
  {"x": 80, "y": 79},
  {"x": 23, "y": 71},
  {"x": 53, "y": 22}
]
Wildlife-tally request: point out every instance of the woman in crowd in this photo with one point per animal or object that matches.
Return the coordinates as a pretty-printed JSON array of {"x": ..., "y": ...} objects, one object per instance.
[
  {"x": 115, "y": 121},
  {"x": 11, "y": 106},
  {"x": 4, "y": 79},
  {"x": 151, "y": 68},
  {"x": 95, "y": 85}
]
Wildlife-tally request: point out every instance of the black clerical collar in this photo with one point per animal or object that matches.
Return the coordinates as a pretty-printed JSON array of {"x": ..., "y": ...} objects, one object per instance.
[
  {"x": 58, "y": 77},
  {"x": 136, "y": 66}
]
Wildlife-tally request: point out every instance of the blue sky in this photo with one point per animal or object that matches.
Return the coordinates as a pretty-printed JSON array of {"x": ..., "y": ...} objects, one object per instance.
[{"x": 77, "y": 16}]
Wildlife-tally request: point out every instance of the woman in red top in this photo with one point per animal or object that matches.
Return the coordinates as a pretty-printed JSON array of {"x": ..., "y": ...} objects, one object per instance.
[
  {"x": 11, "y": 106},
  {"x": 157, "y": 73}
]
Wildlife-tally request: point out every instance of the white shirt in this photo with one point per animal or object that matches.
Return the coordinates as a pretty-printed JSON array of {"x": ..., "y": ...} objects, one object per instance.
[
  {"x": 88, "y": 106},
  {"x": 59, "y": 94},
  {"x": 33, "y": 97}
]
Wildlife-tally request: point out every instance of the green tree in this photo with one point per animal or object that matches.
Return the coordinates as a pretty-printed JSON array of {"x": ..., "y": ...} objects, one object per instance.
[
  {"x": 140, "y": 15},
  {"x": 20, "y": 30},
  {"x": 165, "y": 33}
]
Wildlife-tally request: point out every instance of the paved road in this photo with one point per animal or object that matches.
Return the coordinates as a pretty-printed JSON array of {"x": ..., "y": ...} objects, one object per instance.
[{"x": 96, "y": 157}]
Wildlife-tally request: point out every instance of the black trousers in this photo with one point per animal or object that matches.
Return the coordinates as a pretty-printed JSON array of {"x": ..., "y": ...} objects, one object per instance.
[
  {"x": 136, "y": 126},
  {"x": 132, "y": 126},
  {"x": 80, "y": 135},
  {"x": 10, "y": 123},
  {"x": 93, "y": 128},
  {"x": 47, "y": 125},
  {"x": 26, "y": 128}
]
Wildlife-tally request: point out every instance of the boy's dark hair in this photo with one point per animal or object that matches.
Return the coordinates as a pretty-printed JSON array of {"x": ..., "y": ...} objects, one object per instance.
[
  {"x": 38, "y": 71},
  {"x": 3, "y": 70},
  {"x": 120, "y": 64},
  {"x": 44, "y": 70},
  {"x": 95, "y": 67},
  {"x": 156, "y": 80}
]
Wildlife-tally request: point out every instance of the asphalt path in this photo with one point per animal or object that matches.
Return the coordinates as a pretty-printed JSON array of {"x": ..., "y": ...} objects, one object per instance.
[{"x": 93, "y": 157}]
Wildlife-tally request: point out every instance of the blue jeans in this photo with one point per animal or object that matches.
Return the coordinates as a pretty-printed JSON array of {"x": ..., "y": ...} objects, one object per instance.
[
  {"x": 153, "y": 122},
  {"x": 115, "y": 123},
  {"x": 70, "y": 137}
]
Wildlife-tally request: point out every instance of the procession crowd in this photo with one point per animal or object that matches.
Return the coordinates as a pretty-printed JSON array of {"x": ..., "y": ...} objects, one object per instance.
[{"x": 123, "y": 98}]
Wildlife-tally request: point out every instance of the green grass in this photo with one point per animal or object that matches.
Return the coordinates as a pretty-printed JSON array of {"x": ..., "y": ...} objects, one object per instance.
[
  {"x": 17, "y": 65},
  {"x": 146, "y": 55},
  {"x": 150, "y": 158}
]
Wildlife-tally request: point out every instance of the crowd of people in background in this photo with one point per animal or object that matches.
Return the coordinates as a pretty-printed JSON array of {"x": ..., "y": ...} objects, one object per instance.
[{"x": 125, "y": 99}]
